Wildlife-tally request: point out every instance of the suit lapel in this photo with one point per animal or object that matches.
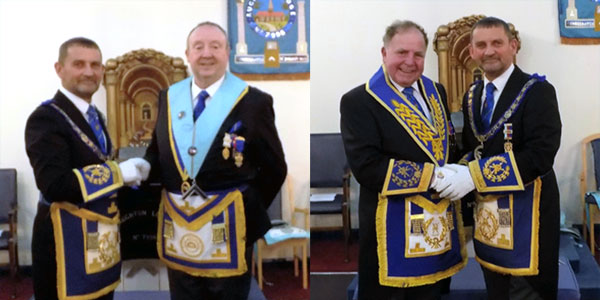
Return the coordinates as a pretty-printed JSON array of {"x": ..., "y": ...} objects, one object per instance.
[
  {"x": 509, "y": 93},
  {"x": 477, "y": 106},
  {"x": 75, "y": 115}
]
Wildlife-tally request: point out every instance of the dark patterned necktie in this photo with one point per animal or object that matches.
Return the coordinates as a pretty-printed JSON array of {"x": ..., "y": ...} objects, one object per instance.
[
  {"x": 200, "y": 105},
  {"x": 408, "y": 92},
  {"x": 95, "y": 124},
  {"x": 488, "y": 106}
]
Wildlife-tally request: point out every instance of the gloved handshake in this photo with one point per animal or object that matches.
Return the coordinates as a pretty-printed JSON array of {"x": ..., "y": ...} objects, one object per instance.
[
  {"x": 452, "y": 181},
  {"x": 134, "y": 171}
]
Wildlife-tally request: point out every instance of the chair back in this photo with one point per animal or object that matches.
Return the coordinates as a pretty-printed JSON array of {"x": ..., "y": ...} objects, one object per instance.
[
  {"x": 596, "y": 158},
  {"x": 274, "y": 211},
  {"x": 328, "y": 162},
  {"x": 8, "y": 192}
]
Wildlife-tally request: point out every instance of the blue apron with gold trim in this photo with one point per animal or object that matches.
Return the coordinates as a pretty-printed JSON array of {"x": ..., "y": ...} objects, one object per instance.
[
  {"x": 201, "y": 236},
  {"x": 88, "y": 255},
  {"x": 506, "y": 214},
  {"x": 419, "y": 236},
  {"x": 87, "y": 248},
  {"x": 506, "y": 231}
]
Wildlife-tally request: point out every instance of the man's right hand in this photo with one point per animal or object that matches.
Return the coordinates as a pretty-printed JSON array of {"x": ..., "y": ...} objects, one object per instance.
[
  {"x": 441, "y": 178},
  {"x": 142, "y": 165}
]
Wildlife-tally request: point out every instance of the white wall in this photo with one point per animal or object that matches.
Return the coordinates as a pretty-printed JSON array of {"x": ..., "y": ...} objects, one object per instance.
[
  {"x": 32, "y": 31},
  {"x": 346, "y": 43}
]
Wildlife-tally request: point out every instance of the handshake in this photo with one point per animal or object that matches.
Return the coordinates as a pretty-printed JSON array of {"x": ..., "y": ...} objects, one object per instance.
[
  {"x": 452, "y": 181},
  {"x": 134, "y": 171}
]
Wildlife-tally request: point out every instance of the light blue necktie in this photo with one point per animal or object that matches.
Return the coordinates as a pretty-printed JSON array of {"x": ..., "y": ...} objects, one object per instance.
[
  {"x": 95, "y": 124},
  {"x": 408, "y": 92},
  {"x": 200, "y": 105},
  {"x": 488, "y": 106}
]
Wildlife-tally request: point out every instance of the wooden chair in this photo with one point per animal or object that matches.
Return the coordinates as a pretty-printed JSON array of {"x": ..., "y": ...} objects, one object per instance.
[
  {"x": 590, "y": 192},
  {"x": 8, "y": 218},
  {"x": 284, "y": 236}
]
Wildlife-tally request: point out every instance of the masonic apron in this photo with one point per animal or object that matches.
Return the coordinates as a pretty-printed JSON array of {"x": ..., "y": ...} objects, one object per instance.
[
  {"x": 507, "y": 211},
  {"x": 419, "y": 235},
  {"x": 88, "y": 256},
  {"x": 202, "y": 233}
]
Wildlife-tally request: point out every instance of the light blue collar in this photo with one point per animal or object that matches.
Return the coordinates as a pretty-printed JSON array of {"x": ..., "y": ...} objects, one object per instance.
[{"x": 201, "y": 134}]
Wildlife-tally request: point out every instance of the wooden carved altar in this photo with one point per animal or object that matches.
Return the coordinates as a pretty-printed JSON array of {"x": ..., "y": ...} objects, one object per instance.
[
  {"x": 132, "y": 83},
  {"x": 456, "y": 68}
]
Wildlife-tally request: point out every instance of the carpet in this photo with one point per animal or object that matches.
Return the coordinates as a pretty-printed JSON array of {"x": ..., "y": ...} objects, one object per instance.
[
  {"x": 327, "y": 253},
  {"x": 255, "y": 294}
]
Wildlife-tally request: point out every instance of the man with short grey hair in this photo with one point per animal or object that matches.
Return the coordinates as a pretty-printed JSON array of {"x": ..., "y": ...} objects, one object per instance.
[
  {"x": 398, "y": 137},
  {"x": 217, "y": 153}
]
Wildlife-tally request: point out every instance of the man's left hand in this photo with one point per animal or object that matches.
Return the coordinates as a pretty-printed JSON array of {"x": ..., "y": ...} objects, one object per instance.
[{"x": 461, "y": 183}]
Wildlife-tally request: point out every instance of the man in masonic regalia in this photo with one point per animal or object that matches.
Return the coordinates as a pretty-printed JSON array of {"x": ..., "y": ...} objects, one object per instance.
[
  {"x": 399, "y": 140},
  {"x": 217, "y": 153}
]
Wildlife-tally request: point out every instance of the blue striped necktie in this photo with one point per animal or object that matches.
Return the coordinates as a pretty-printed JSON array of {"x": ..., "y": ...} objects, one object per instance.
[
  {"x": 200, "y": 105},
  {"x": 95, "y": 124},
  {"x": 488, "y": 106},
  {"x": 408, "y": 92}
]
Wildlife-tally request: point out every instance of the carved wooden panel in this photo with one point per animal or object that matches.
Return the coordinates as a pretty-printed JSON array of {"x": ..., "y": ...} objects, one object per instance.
[
  {"x": 456, "y": 68},
  {"x": 133, "y": 81}
]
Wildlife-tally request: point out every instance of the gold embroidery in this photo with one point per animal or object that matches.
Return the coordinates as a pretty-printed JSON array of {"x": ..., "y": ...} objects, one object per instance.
[
  {"x": 416, "y": 223},
  {"x": 450, "y": 219},
  {"x": 95, "y": 265},
  {"x": 169, "y": 231},
  {"x": 109, "y": 248},
  {"x": 435, "y": 232},
  {"x": 487, "y": 225},
  {"x": 496, "y": 172},
  {"x": 171, "y": 248},
  {"x": 417, "y": 249},
  {"x": 92, "y": 240},
  {"x": 407, "y": 173},
  {"x": 219, "y": 234},
  {"x": 414, "y": 122},
  {"x": 191, "y": 245},
  {"x": 503, "y": 241},
  {"x": 185, "y": 186},
  {"x": 439, "y": 122},
  {"x": 96, "y": 174},
  {"x": 504, "y": 216},
  {"x": 112, "y": 208},
  {"x": 218, "y": 253}
]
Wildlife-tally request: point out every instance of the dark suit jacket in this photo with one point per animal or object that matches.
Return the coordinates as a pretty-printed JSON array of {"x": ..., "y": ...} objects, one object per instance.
[
  {"x": 54, "y": 150},
  {"x": 372, "y": 136},
  {"x": 536, "y": 139},
  {"x": 263, "y": 170}
]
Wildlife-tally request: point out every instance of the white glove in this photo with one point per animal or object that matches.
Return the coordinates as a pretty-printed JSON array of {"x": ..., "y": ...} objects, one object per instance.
[
  {"x": 461, "y": 183},
  {"x": 441, "y": 178},
  {"x": 142, "y": 165},
  {"x": 130, "y": 173}
]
